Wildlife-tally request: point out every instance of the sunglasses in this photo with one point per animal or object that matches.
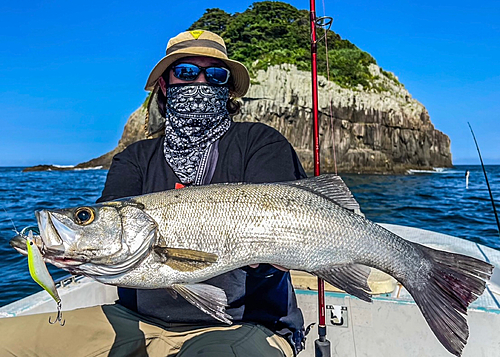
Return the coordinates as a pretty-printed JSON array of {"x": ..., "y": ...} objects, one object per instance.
[{"x": 189, "y": 72}]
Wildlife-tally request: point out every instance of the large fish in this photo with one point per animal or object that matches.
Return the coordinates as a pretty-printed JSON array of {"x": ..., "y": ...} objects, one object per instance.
[{"x": 178, "y": 238}]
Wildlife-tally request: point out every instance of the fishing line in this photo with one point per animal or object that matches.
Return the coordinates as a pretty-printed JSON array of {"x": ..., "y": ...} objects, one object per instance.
[
  {"x": 486, "y": 178},
  {"x": 10, "y": 219}
]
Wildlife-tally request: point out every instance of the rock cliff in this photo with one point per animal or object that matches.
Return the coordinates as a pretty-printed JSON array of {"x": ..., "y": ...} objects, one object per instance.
[
  {"x": 363, "y": 131},
  {"x": 377, "y": 130}
]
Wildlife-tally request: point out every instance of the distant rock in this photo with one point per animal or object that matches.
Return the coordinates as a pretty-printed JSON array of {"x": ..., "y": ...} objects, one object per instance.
[
  {"x": 48, "y": 168},
  {"x": 61, "y": 168}
]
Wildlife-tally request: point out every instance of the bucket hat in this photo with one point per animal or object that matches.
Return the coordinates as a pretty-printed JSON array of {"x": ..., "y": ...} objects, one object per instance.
[{"x": 200, "y": 43}]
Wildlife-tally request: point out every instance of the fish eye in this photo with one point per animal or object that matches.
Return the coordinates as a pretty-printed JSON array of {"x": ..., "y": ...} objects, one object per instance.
[{"x": 84, "y": 216}]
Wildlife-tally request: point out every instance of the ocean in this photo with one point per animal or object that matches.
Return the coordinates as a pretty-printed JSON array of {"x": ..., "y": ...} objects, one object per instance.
[{"x": 438, "y": 201}]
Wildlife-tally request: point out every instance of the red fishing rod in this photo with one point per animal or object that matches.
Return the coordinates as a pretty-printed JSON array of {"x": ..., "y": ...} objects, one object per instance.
[{"x": 321, "y": 345}]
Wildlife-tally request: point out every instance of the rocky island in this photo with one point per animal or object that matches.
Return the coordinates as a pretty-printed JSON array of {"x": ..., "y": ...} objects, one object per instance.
[{"x": 369, "y": 122}]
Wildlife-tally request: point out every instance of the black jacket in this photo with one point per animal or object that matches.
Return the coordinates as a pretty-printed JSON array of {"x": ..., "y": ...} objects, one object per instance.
[{"x": 248, "y": 152}]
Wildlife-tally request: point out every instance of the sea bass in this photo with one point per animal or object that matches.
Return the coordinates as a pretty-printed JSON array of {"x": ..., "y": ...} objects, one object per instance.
[{"x": 176, "y": 239}]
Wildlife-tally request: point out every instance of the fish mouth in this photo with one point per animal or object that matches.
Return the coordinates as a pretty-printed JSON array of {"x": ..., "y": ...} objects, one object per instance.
[
  {"x": 50, "y": 242},
  {"x": 19, "y": 244}
]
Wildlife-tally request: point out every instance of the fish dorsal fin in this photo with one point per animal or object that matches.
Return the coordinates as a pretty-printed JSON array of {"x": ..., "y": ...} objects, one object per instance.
[
  {"x": 185, "y": 259},
  {"x": 332, "y": 187},
  {"x": 209, "y": 299}
]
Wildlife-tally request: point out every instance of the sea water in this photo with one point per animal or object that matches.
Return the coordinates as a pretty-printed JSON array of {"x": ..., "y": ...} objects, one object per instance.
[{"x": 434, "y": 200}]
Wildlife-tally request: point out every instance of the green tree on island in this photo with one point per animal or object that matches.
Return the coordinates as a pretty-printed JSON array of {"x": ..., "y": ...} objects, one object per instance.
[{"x": 270, "y": 33}]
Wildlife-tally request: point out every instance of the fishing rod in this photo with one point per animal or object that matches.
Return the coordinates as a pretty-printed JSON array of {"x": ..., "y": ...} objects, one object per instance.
[
  {"x": 321, "y": 345},
  {"x": 486, "y": 178}
]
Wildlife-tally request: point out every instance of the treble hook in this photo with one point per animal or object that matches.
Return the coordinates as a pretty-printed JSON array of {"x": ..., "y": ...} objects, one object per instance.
[{"x": 59, "y": 316}]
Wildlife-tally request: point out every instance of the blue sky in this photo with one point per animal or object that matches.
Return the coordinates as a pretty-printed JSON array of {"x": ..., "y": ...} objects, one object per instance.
[{"x": 72, "y": 72}]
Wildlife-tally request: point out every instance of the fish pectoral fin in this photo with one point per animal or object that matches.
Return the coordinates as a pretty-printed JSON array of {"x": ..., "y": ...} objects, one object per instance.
[
  {"x": 186, "y": 265},
  {"x": 353, "y": 279},
  {"x": 172, "y": 292},
  {"x": 208, "y": 298},
  {"x": 190, "y": 254},
  {"x": 185, "y": 259}
]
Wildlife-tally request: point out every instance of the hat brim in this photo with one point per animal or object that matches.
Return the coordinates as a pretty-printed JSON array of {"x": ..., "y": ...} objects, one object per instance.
[{"x": 239, "y": 72}]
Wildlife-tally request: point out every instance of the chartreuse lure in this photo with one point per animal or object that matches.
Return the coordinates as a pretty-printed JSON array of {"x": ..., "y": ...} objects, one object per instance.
[{"x": 40, "y": 274}]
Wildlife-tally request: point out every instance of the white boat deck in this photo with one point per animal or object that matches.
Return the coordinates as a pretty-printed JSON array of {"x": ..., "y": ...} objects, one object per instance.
[{"x": 391, "y": 326}]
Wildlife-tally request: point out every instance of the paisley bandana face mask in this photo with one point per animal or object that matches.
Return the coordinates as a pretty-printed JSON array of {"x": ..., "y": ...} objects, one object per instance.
[{"x": 196, "y": 117}]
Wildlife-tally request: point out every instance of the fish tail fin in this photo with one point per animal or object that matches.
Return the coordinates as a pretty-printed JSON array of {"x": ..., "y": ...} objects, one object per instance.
[{"x": 453, "y": 282}]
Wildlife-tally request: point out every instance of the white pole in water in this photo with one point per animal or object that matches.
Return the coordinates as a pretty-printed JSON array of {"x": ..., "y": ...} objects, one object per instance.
[{"x": 467, "y": 173}]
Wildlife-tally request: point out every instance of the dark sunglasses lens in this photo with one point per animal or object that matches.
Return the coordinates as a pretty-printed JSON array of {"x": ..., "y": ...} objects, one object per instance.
[
  {"x": 217, "y": 75},
  {"x": 186, "y": 71}
]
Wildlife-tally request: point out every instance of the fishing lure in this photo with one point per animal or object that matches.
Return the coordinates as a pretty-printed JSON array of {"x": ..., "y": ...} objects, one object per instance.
[{"x": 41, "y": 276}]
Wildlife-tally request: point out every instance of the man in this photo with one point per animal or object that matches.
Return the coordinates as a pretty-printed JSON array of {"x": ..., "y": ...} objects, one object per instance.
[{"x": 194, "y": 89}]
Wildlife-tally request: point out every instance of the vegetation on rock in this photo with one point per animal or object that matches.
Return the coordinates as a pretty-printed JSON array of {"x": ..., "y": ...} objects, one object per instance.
[{"x": 270, "y": 33}]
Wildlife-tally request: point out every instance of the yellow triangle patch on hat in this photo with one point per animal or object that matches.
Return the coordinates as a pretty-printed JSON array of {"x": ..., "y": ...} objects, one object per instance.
[{"x": 196, "y": 33}]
